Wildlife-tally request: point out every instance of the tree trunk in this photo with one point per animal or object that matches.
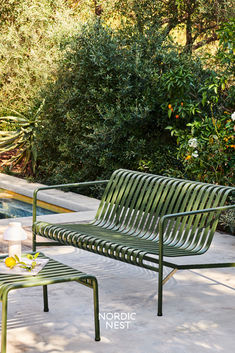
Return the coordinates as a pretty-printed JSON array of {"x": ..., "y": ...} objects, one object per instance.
[
  {"x": 98, "y": 9},
  {"x": 189, "y": 37}
]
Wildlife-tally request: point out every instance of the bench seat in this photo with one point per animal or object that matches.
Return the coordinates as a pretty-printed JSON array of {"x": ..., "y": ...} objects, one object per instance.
[
  {"x": 143, "y": 218},
  {"x": 96, "y": 239}
]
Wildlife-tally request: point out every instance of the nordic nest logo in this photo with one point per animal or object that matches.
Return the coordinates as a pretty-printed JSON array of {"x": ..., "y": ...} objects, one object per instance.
[{"x": 117, "y": 321}]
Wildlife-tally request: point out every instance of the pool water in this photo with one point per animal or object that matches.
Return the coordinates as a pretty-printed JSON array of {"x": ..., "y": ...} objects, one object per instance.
[
  {"x": 14, "y": 205},
  {"x": 10, "y": 208}
]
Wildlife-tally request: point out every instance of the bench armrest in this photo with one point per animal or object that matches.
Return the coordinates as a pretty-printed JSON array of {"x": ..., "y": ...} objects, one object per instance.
[
  {"x": 35, "y": 193},
  {"x": 189, "y": 213},
  {"x": 184, "y": 214}
]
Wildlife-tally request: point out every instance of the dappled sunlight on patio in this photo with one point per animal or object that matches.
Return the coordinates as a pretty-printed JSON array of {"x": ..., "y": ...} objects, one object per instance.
[{"x": 198, "y": 310}]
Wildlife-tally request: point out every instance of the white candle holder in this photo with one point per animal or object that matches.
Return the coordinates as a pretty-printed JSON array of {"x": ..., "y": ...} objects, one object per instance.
[{"x": 14, "y": 234}]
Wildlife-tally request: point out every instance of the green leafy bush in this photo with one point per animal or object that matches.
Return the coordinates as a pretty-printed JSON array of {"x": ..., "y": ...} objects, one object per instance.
[
  {"x": 225, "y": 53},
  {"x": 206, "y": 148},
  {"x": 108, "y": 107},
  {"x": 206, "y": 144},
  {"x": 30, "y": 37}
]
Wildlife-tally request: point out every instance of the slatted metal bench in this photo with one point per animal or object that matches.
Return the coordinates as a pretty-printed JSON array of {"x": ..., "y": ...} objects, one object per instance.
[{"x": 143, "y": 218}]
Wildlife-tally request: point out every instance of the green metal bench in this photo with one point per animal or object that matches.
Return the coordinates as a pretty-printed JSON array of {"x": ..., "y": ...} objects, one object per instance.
[{"x": 143, "y": 218}]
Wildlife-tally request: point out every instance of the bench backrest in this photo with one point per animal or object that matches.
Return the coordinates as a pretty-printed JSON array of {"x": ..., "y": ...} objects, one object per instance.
[{"x": 133, "y": 202}]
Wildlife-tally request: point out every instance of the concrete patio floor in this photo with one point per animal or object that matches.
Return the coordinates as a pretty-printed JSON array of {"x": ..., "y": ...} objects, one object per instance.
[{"x": 198, "y": 313}]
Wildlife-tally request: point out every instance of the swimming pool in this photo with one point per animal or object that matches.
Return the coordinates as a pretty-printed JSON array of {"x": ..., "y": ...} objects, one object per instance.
[{"x": 13, "y": 205}]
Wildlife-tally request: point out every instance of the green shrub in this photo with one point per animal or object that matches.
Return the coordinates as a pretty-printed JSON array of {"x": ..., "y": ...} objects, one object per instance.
[
  {"x": 206, "y": 148},
  {"x": 225, "y": 53},
  {"x": 108, "y": 107},
  {"x": 30, "y": 37},
  {"x": 206, "y": 144}
]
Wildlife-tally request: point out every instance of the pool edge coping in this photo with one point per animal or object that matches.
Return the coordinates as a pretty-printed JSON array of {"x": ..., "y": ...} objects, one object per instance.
[{"x": 69, "y": 200}]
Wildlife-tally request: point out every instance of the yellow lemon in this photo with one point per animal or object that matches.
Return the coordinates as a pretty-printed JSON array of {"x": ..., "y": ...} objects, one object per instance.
[{"x": 10, "y": 261}]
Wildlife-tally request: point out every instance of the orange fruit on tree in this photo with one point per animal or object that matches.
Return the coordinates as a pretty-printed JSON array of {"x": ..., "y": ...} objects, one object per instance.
[{"x": 188, "y": 157}]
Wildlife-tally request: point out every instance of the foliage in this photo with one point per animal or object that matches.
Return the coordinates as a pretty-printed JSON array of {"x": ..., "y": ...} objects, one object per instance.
[
  {"x": 212, "y": 126},
  {"x": 8, "y": 11},
  {"x": 192, "y": 92},
  {"x": 227, "y": 219},
  {"x": 21, "y": 140},
  {"x": 30, "y": 37},
  {"x": 102, "y": 112},
  {"x": 226, "y": 52},
  {"x": 112, "y": 87},
  {"x": 198, "y": 19},
  {"x": 109, "y": 105},
  {"x": 206, "y": 148}
]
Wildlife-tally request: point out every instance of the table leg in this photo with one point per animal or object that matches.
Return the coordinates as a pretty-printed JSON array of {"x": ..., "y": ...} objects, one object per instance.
[
  {"x": 96, "y": 309},
  {"x": 45, "y": 299},
  {"x": 4, "y": 322}
]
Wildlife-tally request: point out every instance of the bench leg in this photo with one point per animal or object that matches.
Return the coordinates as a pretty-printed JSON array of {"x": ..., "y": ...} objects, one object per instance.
[
  {"x": 45, "y": 299},
  {"x": 34, "y": 242},
  {"x": 160, "y": 287},
  {"x": 96, "y": 309},
  {"x": 4, "y": 323}
]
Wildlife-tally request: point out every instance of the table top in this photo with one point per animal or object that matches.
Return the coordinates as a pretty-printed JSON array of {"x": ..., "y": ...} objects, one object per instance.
[{"x": 53, "y": 272}]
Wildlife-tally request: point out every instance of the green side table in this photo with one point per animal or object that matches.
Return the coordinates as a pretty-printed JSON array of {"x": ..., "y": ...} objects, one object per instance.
[{"x": 52, "y": 272}]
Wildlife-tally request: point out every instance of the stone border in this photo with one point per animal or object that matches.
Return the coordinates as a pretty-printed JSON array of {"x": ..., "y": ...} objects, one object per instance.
[{"x": 84, "y": 207}]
